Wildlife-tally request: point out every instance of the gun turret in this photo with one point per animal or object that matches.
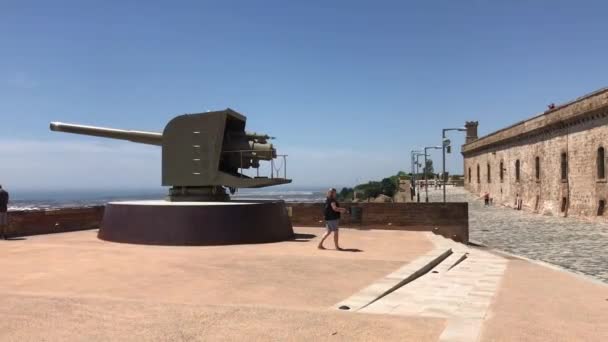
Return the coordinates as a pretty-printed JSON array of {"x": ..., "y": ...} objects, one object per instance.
[{"x": 201, "y": 153}]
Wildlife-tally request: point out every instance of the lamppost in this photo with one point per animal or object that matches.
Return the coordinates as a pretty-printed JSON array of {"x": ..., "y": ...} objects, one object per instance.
[
  {"x": 413, "y": 167},
  {"x": 426, "y": 186},
  {"x": 417, "y": 171},
  {"x": 446, "y": 143}
]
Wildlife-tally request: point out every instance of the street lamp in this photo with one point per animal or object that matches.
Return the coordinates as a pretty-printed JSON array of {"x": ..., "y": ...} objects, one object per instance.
[
  {"x": 446, "y": 143},
  {"x": 426, "y": 186},
  {"x": 417, "y": 170},
  {"x": 413, "y": 160}
]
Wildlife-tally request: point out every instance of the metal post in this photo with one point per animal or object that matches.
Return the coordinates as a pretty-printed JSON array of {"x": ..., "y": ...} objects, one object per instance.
[
  {"x": 443, "y": 146},
  {"x": 413, "y": 167},
  {"x": 418, "y": 171},
  {"x": 416, "y": 185},
  {"x": 443, "y": 177},
  {"x": 241, "y": 157},
  {"x": 426, "y": 187},
  {"x": 416, "y": 174},
  {"x": 285, "y": 166},
  {"x": 413, "y": 178}
]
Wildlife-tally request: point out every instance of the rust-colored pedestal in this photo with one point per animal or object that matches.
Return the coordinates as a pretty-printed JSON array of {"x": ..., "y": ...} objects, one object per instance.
[{"x": 195, "y": 223}]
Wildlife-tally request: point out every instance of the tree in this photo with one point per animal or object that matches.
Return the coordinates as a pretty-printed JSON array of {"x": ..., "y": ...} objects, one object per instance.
[
  {"x": 388, "y": 187},
  {"x": 370, "y": 189},
  {"x": 400, "y": 174},
  {"x": 346, "y": 194},
  {"x": 428, "y": 169}
]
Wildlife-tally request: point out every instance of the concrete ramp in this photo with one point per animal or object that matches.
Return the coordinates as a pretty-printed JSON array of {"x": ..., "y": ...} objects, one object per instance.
[{"x": 458, "y": 286}]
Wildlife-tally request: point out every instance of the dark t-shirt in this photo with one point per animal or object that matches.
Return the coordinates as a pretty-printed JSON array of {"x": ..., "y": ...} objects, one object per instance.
[
  {"x": 3, "y": 201},
  {"x": 330, "y": 213}
]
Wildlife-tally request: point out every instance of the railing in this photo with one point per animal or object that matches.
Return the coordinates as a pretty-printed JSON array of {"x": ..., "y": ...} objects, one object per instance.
[
  {"x": 284, "y": 166},
  {"x": 273, "y": 169}
]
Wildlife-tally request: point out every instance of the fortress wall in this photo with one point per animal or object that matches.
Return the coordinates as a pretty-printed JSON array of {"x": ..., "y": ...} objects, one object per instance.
[{"x": 577, "y": 130}]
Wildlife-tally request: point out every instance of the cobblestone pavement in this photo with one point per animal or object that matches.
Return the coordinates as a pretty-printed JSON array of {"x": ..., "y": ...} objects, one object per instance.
[{"x": 571, "y": 243}]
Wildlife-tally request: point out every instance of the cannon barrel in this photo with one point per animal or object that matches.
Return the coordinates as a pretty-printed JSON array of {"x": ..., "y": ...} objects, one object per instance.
[
  {"x": 258, "y": 137},
  {"x": 150, "y": 138}
]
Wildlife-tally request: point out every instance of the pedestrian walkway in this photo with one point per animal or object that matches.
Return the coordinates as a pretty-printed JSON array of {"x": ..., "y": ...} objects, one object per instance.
[
  {"x": 460, "y": 289},
  {"x": 75, "y": 287},
  {"x": 571, "y": 243},
  {"x": 488, "y": 296}
]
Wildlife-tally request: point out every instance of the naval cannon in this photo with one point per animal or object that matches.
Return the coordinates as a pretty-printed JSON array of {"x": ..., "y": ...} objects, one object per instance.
[{"x": 202, "y": 155}]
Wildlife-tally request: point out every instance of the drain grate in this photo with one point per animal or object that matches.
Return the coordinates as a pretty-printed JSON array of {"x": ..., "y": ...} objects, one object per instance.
[
  {"x": 461, "y": 259},
  {"x": 419, "y": 273}
]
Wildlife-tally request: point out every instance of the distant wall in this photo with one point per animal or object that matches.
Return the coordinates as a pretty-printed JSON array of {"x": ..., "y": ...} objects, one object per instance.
[
  {"x": 448, "y": 219},
  {"x": 32, "y": 222}
]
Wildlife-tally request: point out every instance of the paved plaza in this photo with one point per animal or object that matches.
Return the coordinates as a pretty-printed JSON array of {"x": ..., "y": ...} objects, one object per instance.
[
  {"x": 74, "y": 287},
  {"x": 572, "y": 243}
]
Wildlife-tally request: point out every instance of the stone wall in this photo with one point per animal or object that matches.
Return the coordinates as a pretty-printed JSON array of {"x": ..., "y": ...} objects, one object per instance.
[
  {"x": 448, "y": 219},
  {"x": 32, "y": 222},
  {"x": 577, "y": 129}
]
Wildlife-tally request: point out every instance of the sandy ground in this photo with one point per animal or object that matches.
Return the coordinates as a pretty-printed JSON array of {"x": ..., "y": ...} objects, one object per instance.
[
  {"x": 536, "y": 303},
  {"x": 37, "y": 318},
  {"x": 74, "y": 287}
]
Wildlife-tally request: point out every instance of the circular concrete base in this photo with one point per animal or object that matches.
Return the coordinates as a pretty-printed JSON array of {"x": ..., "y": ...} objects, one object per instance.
[{"x": 195, "y": 223}]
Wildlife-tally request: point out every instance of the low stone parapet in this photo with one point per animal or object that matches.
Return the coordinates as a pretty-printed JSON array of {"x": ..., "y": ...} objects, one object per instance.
[
  {"x": 33, "y": 222},
  {"x": 447, "y": 219}
]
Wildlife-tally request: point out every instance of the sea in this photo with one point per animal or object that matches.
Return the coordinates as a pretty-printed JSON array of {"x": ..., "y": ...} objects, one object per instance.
[{"x": 54, "y": 199}]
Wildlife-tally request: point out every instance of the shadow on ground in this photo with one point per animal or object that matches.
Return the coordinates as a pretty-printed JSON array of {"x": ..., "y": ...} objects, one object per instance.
[
  {"x": 299, "y": 237},
  {"x": 355, "y": 250}
]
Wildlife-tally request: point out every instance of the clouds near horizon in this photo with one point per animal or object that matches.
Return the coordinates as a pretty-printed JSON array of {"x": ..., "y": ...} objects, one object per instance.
[
  {"x": 63, "y": 164},
  {"x": 92, "y": 164}
]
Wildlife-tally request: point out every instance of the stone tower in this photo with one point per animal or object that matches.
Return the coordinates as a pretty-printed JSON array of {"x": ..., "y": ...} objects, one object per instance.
[{"x": 471, "y": 127}]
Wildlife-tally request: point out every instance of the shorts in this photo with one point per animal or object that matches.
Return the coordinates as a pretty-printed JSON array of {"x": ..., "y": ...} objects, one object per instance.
[
  {"x": 332, "y": 225},
  {"x": 3, "y": 219}
]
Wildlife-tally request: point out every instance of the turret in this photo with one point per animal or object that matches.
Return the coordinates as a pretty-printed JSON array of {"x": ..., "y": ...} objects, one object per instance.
[
  {"x": 201, "y": 153},
  {"x": 471, "y": 127}
]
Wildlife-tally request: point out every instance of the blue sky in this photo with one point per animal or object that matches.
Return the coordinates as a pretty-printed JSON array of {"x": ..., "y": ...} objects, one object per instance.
[{"x": 348, "y": 87}]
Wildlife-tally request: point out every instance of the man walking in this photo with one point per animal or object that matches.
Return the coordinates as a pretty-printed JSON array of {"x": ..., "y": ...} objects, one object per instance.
[
  {"x": 331, "y": 212},
  {"x": 3, "y": 212},
  {"x": 486, "y": 199}
]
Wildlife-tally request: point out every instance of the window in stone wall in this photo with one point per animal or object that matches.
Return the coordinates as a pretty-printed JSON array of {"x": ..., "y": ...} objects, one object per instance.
[
  {"x": 537, "y": 165},
  {"x": 564, "y": 166},
  {"x": 489, "y": 177},
  {"x": 600, "y": 207},
  {"x": 478, "y": 177},
  {"x": 469, "y": 175},
  {"x": 601, "y": 170},
  {"x": 502, "y": 171},
  {"x": 564, "y": 204},
  {"x": 517, "y": 170}
]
